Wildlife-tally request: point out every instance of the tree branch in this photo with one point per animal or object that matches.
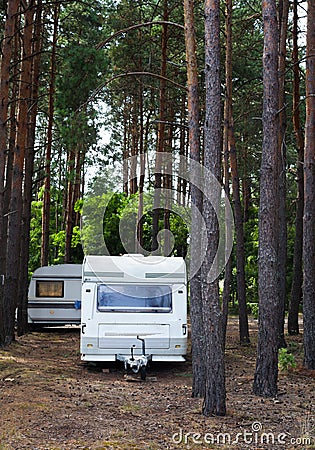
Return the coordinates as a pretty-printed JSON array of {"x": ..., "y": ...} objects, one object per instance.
[
  {"x": 127, "y": 74},
  {"x": 134, "y": 27}
]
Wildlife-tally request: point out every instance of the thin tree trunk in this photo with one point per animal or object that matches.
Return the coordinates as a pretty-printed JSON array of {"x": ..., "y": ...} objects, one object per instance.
[
  {"x": 283, "y": 23},
  {"x": 161, "y": 135},
  {"x": 13, "y": 126},
  {"x": 226, "y": 295},
  {"x": 182, "y": 152},
  {"x": 22, "y": 316},
  {"x": 167, "y": 184},
  {"x": 80, "y": 155},
  {"x": 16, "y": 201},
  {"x": 297, "y": 277},
  {"x": 197, "y": 337},
  {"x": 46, "y": 199},
  {"x": 309, "y": 196},
  {"x": 133, "y": 182},
  {"x": 12, "y": 9},
  {"x": 266, "y": 374},
  {"x": 215, "y": 393},
  {"x": 246, "y": 188},
  {"x": 139, "y": 229},
  {"x": 69, "y": 205},
  {"x": 125, "y": 151},
  {"x": 239, "y": 230}
]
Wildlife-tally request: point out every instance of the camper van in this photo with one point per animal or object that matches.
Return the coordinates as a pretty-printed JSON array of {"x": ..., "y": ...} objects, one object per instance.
[
  {"x": 54, "y": 295},
  {"x": 134, "y": 309}
]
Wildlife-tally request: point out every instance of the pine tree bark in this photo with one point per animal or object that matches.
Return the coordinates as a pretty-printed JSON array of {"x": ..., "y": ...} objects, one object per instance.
[
  {"x": 266, "y": 374},
  {"x": 168, "y": 182},
  {"x": 197, "y": 336},
  {"x": 51, "y": 102},
  {"x": 226, "y": 295},
  {"x": 133, "y": 181},
  {"x": 297, "y": 277},
  {"x": 125, "y": 149},
  {"x": 16, "y": 202},
  {"x": 13, "y": 123},
  {"x": 161, "y": 135},
  {"x": 22, "y": 316},
  {"x": 182, "y": 182},
  {"x": 139, "y": 230},
  {"x": 283, "y": 22},
  {"x": 309, "y": 196},
  {"x": 215, "y": 393},
  {"x": 69, "y": 215},
  {"x": 12, "y": 8},
  {"x": 239, "y": 227}
]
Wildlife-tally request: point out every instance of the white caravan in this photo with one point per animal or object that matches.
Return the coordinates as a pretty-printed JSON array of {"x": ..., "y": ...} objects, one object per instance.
[
  {"x": 134, "y": 309},
  {"x": 54, "y": 295}
]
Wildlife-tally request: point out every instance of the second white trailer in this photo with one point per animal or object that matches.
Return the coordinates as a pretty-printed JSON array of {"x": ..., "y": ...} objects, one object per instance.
[{"x": 54, "y": 295}]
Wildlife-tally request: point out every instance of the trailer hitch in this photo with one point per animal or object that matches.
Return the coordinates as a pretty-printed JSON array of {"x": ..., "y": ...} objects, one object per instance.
[{"x": 136, "y": 363}]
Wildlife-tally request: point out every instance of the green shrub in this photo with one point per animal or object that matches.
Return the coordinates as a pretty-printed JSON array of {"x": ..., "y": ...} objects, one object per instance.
[
  {"x": 254, "y": 307},
  {"x": 286, "y": 361}
]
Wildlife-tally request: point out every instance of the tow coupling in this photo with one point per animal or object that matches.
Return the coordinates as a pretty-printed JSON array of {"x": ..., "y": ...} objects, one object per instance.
[{"x": 136, "y": 363}]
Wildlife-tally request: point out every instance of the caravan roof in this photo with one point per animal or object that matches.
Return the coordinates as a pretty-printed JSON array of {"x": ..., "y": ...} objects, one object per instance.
[
  {"x": 59, "y": 271},
  {"x": 133, "y": 268}
]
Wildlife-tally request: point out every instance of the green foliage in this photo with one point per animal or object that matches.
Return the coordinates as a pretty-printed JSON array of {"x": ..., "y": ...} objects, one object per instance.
[
  {"x": 254, "y": 308},
  {"x": 57, "y": 241},
  {"x": 286, "y": 360},
  {"x": 109, "y": 224},
  {"x": 35, "y": 236},
  {"x": 100, "y": 217}
]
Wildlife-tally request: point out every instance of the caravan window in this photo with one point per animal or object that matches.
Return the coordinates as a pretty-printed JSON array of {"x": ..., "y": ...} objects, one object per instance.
[
  {"x": 134, "y": 298},
  {"x": 49, "y": 289}
]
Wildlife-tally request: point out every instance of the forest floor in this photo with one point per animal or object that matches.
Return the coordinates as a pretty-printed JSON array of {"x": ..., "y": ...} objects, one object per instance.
[{"x": 49, "y": 399}]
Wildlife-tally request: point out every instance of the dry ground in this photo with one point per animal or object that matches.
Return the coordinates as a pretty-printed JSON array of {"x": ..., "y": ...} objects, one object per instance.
[{"x": 49, "y": 399}]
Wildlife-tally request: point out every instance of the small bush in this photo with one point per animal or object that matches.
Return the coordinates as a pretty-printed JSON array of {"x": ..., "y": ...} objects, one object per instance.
[
  {"x": 286, "y": 361},
  {"x": 253, "y": 307}
]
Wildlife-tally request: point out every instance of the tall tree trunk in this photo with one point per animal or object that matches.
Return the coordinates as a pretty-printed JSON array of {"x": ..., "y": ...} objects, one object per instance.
[
  {"x": 246, "y": 187},
  {"x": 12, "y": 9},
  {"x": 239, "y": 228},
  {"x": 215, "y": 393},
  {"x": 51, "y": 102},
  {"x": 16, "y": 201},
  {"x": 22, "y": 316},
  {"x": 182, "y": 182},
  {"x": 266, "y": 374},
  {"x": 309, "y": 196},
  {"x": 13, "y": 125},
  {"x": 161, "y": 134},
  {"x": 197, "y": 337},
  {"x": 69, "y": 205},
  {"x": 77, "y": 191},
  {"x": 283, "y": 24},
  {"x": 133, "y": 182},
  {"x": 125, "y": 149},
  {"x": 139, "y": 229},
  {"x": 226, "y": 294},
  {"x": 297, "y": 277},
  {"x": 167, "y": 183}
]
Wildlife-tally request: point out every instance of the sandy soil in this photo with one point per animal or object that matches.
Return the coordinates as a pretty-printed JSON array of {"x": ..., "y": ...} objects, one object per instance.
[{"x": 49, "y": 399}]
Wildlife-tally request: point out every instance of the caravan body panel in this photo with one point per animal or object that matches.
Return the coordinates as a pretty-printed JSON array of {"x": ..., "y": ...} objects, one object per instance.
[
  {"x": 128, "y": 297},
  {"x": 54, "y": 295}
]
